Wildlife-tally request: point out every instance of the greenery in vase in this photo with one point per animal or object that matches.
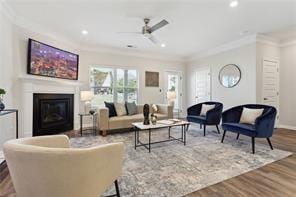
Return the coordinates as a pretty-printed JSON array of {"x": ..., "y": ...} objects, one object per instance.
[{"x": 2, "y": 92}]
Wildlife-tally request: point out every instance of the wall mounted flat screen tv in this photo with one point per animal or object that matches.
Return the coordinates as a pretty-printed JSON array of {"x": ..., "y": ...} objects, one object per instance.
[{"x": 45, "y": 60}]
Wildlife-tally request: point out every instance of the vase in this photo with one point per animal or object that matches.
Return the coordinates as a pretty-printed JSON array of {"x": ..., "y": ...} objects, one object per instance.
[
  {"x": 153, "y": 119},
  {"x": 2, "y": 106}
]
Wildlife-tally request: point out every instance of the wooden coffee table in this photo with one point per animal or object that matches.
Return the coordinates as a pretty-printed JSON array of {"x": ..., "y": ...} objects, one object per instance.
[{"x": 139, "y": 126}]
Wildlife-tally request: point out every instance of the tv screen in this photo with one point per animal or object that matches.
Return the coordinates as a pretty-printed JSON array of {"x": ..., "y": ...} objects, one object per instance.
[{"x": 45, "y": 60}]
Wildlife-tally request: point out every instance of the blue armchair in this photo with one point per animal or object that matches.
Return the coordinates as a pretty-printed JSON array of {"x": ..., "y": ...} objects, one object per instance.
[
  {"x": 213, "y": 116},
  {"x": 263, "y": 127}
]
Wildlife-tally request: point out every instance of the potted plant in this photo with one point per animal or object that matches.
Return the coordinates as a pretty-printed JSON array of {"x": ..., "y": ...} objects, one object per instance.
[{"x": 2, "y": 92}]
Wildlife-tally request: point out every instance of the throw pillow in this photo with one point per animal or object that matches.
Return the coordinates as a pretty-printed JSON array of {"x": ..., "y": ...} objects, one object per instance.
[
  {"x": 249, "y": 116},
  {"x": 205, "y": 108},
  {"x": 111, "y": 108},
  {"x": 120, "y": 109},
  {"x": 131, "y": 108},
  {"x": 154, "y": 108}
]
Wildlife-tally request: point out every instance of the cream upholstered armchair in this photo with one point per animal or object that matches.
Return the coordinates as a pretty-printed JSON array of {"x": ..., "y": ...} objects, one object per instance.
[{"x": 46, "y": 166}]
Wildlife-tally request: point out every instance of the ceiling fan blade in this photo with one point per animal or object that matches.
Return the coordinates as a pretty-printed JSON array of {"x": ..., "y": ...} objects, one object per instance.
[
  {"x": 159, "y": 25},
  {"x": 153, "y": 39},
  {"x": 129, "y": 32}
]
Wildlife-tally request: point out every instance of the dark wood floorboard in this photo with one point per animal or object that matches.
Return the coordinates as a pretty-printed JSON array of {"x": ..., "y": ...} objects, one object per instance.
[{"x": 276, "y": 179}]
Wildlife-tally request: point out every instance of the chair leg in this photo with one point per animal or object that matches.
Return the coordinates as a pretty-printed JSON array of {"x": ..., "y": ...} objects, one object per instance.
[
  {"x": 204, "y": 130},
  {"x": 218, "y": 129},
  {"x": 117, "y": 188},
  {"x": 200, "y": 126},
  {"x": 269, "y": 142},
  {"x": 237, "y": 136},
  {"x": 223, "y": 136},
  {"x": 253, "y": 145}
]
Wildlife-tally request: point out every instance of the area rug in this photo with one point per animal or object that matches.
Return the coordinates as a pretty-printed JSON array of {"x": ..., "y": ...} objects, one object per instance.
[{"x": 172, "y": 169}]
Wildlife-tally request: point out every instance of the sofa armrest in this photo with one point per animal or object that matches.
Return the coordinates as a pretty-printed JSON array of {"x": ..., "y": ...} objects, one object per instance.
[
  {"x": 140, "y": 108},
  {"x": 103, "y": 119},
  {"x": 166, "y": 109}
]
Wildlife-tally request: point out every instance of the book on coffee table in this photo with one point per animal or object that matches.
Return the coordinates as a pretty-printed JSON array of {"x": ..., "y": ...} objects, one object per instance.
[{"x": 169, "y": 121}]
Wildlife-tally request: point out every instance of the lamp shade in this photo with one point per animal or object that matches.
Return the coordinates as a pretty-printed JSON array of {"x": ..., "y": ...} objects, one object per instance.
[
  {"x": 86, "y": 95},
  {"x": 171, "y": 95}
]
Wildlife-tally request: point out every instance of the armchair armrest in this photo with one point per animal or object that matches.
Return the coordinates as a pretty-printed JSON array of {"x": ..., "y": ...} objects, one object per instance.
[
  {"x": 103, "y": 118},
  {"x": 213, "y": 116},
  {"x": 52, "y": 141},
  {"x": 264, "y": 124},
  {"x": 166, "y": 109},
  {"x": 194, "y": 110},
  {"x": 232, "y": 115}
]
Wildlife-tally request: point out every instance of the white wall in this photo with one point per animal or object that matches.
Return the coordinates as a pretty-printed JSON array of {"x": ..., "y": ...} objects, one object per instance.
[
  {"x": 7, "y": 124},
  {"x": 244, "y": 92},
  {"x": 287, "y": 86}
]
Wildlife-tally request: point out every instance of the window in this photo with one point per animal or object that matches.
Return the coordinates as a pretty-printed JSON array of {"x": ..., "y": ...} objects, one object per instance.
[{"x": 113, "y": 85}]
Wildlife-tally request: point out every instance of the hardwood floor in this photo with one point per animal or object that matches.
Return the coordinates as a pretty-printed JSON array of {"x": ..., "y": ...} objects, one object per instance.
[{"x": 276, "y": 179}]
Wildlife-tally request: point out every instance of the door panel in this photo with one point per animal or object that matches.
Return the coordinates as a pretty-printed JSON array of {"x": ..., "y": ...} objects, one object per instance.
[
  {"x": 270, "y": 91},
  {"x": 203, "y": 85}
]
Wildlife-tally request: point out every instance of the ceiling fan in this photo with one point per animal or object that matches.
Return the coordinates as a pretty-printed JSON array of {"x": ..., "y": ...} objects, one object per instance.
[{"x": 147, "y": 30}]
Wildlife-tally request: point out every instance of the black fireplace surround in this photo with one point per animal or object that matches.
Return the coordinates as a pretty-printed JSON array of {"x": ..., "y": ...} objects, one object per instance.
[{"x": 52, "y": 113}]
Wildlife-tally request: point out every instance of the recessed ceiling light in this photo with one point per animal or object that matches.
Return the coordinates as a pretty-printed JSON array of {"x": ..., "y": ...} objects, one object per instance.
[
  {"x": 162, "y": 45},
  {"x": 84, "y": 32},
  {"x": 233, "y": 4}
]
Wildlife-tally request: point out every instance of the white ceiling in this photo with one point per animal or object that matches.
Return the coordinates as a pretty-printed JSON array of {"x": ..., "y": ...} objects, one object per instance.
[{"x": 194, "y": 26}]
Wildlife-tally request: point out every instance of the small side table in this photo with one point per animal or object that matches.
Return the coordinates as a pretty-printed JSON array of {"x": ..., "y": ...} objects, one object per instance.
[
  {"x": 9, "y": 111},
  {"x": 94, "y": 122}
]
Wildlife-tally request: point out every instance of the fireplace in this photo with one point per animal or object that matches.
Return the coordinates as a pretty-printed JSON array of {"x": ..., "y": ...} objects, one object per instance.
[{"x": 52, "y": 113}]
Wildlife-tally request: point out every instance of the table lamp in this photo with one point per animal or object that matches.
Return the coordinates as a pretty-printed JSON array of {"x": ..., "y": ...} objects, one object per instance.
[
  {"x": 171, "y": 96},
  {"x": 87, "y": 96}
]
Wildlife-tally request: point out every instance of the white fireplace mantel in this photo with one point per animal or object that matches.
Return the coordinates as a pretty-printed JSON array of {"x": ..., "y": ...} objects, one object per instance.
[{"x": 34, "y": 84}]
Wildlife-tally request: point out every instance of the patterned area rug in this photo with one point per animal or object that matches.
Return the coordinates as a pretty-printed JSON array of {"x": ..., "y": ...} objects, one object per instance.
[{"x": 172, "y": 169}]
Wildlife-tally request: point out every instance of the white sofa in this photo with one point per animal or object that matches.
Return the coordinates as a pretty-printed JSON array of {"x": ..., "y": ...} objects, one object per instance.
[
  {"x": 47, "y": 167},
  {"x": 119, "y": 122}
]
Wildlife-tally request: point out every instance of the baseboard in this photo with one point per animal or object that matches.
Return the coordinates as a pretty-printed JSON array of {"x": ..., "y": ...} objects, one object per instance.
[{"x": 287, "y": 127}]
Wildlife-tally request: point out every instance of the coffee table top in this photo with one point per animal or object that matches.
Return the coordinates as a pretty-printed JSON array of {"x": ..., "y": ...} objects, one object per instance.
[{"x": 160, "y": 124}]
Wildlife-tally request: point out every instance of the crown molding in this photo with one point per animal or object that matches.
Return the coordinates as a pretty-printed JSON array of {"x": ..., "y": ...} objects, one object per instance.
[
  {"x": 7, "y": 11},
  {"x": 263, "y": 39},
  {"x": 288, "y": 43},
  {"x": 225, "y": 47}
]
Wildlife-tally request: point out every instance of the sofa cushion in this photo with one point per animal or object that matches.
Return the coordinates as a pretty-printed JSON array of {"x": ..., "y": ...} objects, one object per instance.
[
  {"x": 197, "y": 119},
  {"x": 249, "y": 116},
  {"x": 111, "y": 107},
  {"x": 245, "y": 129},
  {"x": 119, "y": 122},
  {"x": 205, "y": 108},
  {"x": 120, "y": 109},
  {"x": 154, "y": 108},
  {"x": 131, "y": 108}
]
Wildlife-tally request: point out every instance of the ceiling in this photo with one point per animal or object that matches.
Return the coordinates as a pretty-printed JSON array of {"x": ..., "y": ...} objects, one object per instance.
[{"x": 194, "y": 26}]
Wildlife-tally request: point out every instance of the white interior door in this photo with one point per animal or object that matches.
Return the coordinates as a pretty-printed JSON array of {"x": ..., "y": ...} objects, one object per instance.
[
  {"x": 270, "y": 93},
  {"x": 203, "y": 85}
]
